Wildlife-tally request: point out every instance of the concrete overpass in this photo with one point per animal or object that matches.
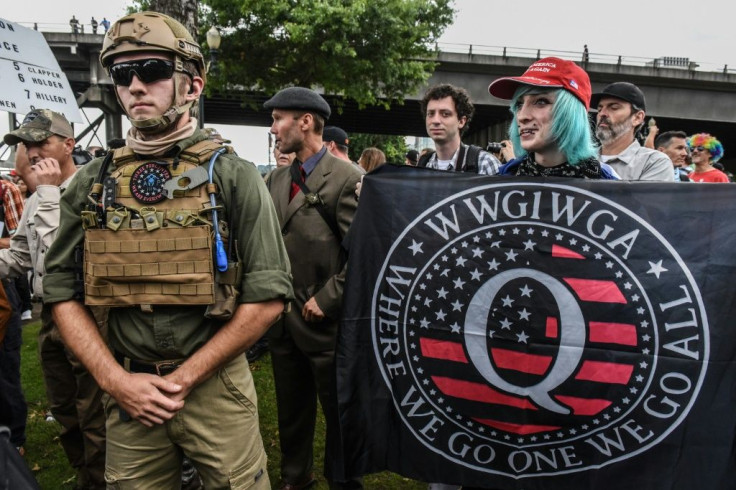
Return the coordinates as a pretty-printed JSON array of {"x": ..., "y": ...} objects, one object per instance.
[{"x": 680, "y": 98}]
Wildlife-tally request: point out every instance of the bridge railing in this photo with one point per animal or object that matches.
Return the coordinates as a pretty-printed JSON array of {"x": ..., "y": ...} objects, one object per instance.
[
  {"x": 532, "y": 53},
  {"x": 509, "y": 51}
]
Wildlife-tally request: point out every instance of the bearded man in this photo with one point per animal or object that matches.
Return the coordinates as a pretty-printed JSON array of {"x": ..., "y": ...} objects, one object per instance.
[{"x": 621, "y": 112}]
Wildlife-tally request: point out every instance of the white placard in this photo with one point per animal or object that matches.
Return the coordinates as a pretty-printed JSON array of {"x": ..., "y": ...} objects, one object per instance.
[{"x": 30, "y": 76}]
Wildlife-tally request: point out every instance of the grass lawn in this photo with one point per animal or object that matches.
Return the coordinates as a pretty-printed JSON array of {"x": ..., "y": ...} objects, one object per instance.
[{"x": 45, "y": 456}]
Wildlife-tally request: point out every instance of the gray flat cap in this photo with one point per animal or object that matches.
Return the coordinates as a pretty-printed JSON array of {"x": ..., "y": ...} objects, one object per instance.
[{"x": 299, "y": 98}]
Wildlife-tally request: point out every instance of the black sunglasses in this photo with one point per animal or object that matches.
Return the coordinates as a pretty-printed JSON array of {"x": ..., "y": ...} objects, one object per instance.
[{"x": 147, "y": 71}]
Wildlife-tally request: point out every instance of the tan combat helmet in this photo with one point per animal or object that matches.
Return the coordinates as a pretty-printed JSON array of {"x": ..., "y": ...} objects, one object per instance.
[{"x": 151, "y": 32}]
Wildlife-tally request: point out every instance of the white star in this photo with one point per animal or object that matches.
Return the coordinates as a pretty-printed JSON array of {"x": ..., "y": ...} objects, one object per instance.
[
  {"x": 422, "y": 286},
  {"x": 455, "y": 327},
  {"x": 656, "y": 269},
  {"x": 606, "y": 416},
  {"x": 586, "y": 248},
  {"x": 584, "y": 427},
  {"x": 441, "y": 315},
  {"x": 529, "y": 245},
  {"x": 477, "y": 252},
  {"x": 573, "y": 431},
  {"x": 627, "y": 285},
  {"x": 546, "y": 437},
  {"x": 545, "y": 233},
  {"x": 424, "y": 323},
  {"x": 522, "y": 337},
  {"x": 533, "y": 438},
  {"x": 475, "y": 275},
  {"x": 464, "y": 244},
  {"x": 511, "y": 256},
  {"x": 445, "y": 258},
  {"x": 643, "y": 364},
  {"x": 453, "y": 250},
  {"x": 458, "y": 283},
  {"x": 493, "y": 265},
  {"x": 609, "y": 265},
  {"x": 645, "y": 338},
  {"x": 436, "y": 267},
  {"x": 506, "y": 324},
  {"x": 416, "y": 248},
  {"x": 633, "y": 390},
  {"x": 427, "y": 301},
  {"x": 558, "y": 236},
  {"x": 441, "y": 293},
  {"x": 414, "y": 309},
  {"x": 502, "y": 232},
  {"x": 432, "y": 392},
  {"x": 598, "y": 256},
  {"x": 619, "y": 274},
  {"x": 644, "y": 324},
  {"x": 635, "y": 297},
  {"x": 440, "y": 400},
  {"x": 489, "y": 235},
  {"x": 626, "y": 400},
  {"x": 460, "y": 261},
  {"x": 457, "y": 306},
  {"x": 507, "y": 301},
  {"x": 573, "y": 241},
  {"x": 476, "y": 239},
  {"x": 515, "y": 231},
  {"x": 639, "y": 378},
  {"x": 524, "y": 315},
  {"x": 645, "y": 352},
  {"x": 419, "y": 370},
  {"x": 418, "y": 297},
  {"x": 640, "y": 310},
  {"x": 428, "y": 276},
  {"x": 617, "y": 409},
  {"x": 525, "y": 291}
]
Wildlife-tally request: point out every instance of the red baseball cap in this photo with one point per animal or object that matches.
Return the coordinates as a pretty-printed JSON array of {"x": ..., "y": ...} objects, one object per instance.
[{"x": 547, "y": 72}]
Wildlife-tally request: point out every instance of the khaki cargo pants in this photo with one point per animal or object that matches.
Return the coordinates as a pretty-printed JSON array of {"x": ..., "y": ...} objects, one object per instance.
[{"x": 217, "y": 429}]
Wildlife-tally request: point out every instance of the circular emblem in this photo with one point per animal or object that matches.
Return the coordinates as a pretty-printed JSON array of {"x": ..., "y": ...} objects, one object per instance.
[
  {"x": 529, "y": 330},
  {"x": 147, "y": 182}
]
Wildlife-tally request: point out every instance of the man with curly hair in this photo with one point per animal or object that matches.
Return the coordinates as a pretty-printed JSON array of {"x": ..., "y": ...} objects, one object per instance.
[
  {"x": 706, "y": 151},
  {"x": 447, "y": 113}
]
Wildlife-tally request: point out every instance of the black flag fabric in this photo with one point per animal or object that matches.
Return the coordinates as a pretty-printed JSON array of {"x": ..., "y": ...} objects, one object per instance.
[{"x": 523, "y": 333}]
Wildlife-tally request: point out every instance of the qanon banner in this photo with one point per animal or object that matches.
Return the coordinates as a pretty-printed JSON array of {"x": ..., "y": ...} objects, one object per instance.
[{"x": 528, "y": 330}]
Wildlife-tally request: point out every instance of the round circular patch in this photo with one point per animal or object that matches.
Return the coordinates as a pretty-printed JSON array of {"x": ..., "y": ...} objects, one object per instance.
[
  {"x": 531, "y": 330},
  {"x": 147, "y": 182}
]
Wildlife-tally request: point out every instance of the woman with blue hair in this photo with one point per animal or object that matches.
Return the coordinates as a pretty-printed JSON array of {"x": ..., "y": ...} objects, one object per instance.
[
  {"x": 706, "y": 150},
  {"x": 550, "y": 130}
]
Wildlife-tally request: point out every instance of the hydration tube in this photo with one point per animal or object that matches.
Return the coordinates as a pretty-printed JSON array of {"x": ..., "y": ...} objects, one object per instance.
[{"x": 220, "y": 255}]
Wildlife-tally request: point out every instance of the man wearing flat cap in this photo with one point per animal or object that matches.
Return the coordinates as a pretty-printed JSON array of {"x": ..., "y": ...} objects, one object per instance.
[
  {"x": 315, "y": 204},
  {"x": 621, "y": 111},
  {"x": 73, "y": 394}
]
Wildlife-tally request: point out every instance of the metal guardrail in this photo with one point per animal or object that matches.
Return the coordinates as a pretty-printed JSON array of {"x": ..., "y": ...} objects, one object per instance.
[
  {"x": 612, "y": 59},
  {"x": 506, "y": 51}
]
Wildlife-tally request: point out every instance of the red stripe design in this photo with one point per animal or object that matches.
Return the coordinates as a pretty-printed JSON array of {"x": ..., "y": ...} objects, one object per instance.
[
  {"x": 613, "y": 333},
  {"x": 520, "y": 361},
  {"x": 565, "y": 253},
  {"x": 605, "y": 372},
  {"x": 478, "y": 393},
  {"x": 597, "y": 291},
  {"x": 517, "y": 428},
  {"x": 439, "y": 349},
  {"x": 584, "y": 406},
  {"x": 551, "y": 328}
]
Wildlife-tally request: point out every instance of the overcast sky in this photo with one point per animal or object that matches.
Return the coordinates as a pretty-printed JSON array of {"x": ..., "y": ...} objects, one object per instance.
[{"x": 702, "y": 31}]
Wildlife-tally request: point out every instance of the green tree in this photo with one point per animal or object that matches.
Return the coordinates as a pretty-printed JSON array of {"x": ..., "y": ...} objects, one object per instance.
[
  {"x": 394, "y": 147},
  {"x": 373, "y": 52}
]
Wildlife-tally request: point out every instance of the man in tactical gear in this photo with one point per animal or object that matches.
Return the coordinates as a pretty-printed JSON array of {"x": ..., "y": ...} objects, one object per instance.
[{"x": 180, "y": 239}]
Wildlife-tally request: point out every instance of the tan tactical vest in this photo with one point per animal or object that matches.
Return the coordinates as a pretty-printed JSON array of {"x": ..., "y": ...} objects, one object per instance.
[{"x": 154, "y": 253}]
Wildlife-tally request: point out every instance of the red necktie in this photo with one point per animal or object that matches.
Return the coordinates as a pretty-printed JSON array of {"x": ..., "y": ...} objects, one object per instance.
[{"x": 294, "y": 186}]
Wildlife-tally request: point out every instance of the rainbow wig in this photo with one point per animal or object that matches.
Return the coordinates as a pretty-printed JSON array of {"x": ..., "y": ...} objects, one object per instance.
[
  {"x": 710, "y": 143},
  {"x": 570, "y": 125}
]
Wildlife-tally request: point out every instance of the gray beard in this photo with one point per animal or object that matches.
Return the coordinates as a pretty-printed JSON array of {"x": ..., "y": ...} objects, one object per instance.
[{"x": 614, "y": 132}]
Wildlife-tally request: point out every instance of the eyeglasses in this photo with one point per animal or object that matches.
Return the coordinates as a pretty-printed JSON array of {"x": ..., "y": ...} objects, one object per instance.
[
  {"x": 697, "y": 148},
  {"x": 147, "y": 71}
]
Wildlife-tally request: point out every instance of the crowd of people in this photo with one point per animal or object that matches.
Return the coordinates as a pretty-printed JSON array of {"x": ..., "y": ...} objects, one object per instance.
[{"x": 156, "y": 277}]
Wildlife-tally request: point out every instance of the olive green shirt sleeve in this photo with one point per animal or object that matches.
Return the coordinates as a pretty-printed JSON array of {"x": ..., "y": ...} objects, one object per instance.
[
  {"x": 255, "y": 227},
  {"x": 61, "y": 269}
]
